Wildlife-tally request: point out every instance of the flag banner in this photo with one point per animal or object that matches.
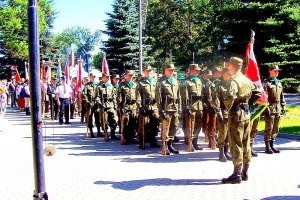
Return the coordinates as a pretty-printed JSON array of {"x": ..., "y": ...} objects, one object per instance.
[
  {"x": 17, "y": 76},
  {"x": 252, "y": 72},
  {"x": 67, "y": 71},
  {"x": 43, "y": 70},
  {"x": 49, "y": 72},
  {"x": 104, "y": 65},
  {"x": 58, "y": 71},
  {"x": 78, "y": 87},
  {"x": 26, "y": 71}
]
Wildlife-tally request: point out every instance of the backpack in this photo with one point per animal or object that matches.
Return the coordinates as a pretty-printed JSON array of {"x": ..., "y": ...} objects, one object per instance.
[{"x": 23, "y": 93}]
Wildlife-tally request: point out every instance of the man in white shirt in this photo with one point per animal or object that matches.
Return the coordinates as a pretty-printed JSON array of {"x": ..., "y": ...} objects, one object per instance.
[{"x": 63, "y": 96}]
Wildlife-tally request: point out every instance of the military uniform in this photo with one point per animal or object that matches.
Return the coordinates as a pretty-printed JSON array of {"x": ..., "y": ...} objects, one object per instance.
[
  {"x": 146, "y": 103},
  {"x": 106, "y": 98},
  {"x": 192, "y": 97},
  {"x": 53, "y": 101},
  {"x": 88, "y": 96},
  {"x": 168, "y": 99},
  {"x": 236, "y": 101},
  {"x": 126, "y": 98},
  {"x": 274, "y": 92},
  {"x": 253, "y": 133}
]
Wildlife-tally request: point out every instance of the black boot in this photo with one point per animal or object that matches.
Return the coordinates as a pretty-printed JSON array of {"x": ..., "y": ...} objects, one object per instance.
[
  {"x": 245, "y": 172},
  {"x": 176, "y": 139},
  {"x": 99, "y": 134},
  {"x": 273, "y": 148},
  {"x": 235, "y": 177},
  {"x": 195, "y": 145},
  {"x": 91, "y": 133},
  {"x": 222, "y": 157},
  {"x": 27, "y": 111},
  {"x": 209, "y": 142},
  {"x": 268, "y": 149},
  {"x": 171, "y": 148},
  {"x": 113, "y": 135},
  {"x": 226, "y": 153},
  {"x": 253, "y": 153}
]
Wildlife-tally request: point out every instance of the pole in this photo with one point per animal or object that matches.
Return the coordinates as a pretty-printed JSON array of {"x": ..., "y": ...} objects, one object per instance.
[
  {"x": 35, "y": 101},
  {"x": 140, "y": 37}
]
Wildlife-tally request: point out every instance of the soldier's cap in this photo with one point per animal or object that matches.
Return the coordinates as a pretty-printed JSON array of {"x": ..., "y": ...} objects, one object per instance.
[
  {"x": 86, "y": 78},
  {"x": 187, "y": 71},
  {"x": 91, "y": 74},
  {"x": 116, "y": 76},
  {"x": 236, "y": 61},
  {"x": 148, "y": 67},
  {"x": 225, "y": 70},
  {"x": 194, "y": 67},
  {"x": 63, "y": 78},
  {"x": 105, "y": 74},
  {"x": 169, "y": 66},
  {"x": 208, "y": 72},
  {"x": 54, "y": 79},
  {"x": 216, "y": 69},
  {"x": 274, "y": 67},
  {"x": 129, "y": 72}
]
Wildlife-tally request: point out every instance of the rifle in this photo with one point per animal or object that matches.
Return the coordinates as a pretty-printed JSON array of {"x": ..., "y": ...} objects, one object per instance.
[
  {"x": 122, "y": 142},
  {"x": 213, "y": 134},
  {"x": 103, "y": 117},
  {"x": 143, "y": 124},
  {"x": 189, "y": 128},
  {"x": 164, "y": 150},
  {"x": 88, "y": 113}
]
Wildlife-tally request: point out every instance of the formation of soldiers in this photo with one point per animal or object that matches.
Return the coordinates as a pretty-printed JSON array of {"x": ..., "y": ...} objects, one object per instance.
[{"x": 217, "y": 104}]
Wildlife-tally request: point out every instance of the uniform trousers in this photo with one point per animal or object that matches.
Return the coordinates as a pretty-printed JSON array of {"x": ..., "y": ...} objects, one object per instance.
[{"x": 64, "y": 109}]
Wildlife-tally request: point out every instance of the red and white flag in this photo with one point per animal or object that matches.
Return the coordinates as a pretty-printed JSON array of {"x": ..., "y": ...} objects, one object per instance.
[
  {"x": 252, "y": 73},
  {"x": 17, "y": 76},
  {"x": 26, "y": 71},
  {"x": 104, "y": 65},
  {"x": 67, "y": 71},
  {"x": 78, "y": 87}
]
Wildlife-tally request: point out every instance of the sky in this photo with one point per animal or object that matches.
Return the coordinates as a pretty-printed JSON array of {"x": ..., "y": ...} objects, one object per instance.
[{"x": 88, "y": 14}]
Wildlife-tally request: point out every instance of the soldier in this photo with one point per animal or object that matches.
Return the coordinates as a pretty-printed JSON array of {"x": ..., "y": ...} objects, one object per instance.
[
  {"x": 53, "y": 101},
  {"x": 126, "y": 98},
  {"x": 106, "y": 99},
  {"x": 253, "y": 133},
  {"x": 223, "y": 139},
  {"x": 183, "y": 107},
  {"x": 192, "y": 94},
  {"x": 274, "y": 91},
  {"x": 206, "y": 99},
  {"x": 83, "y": 102},
  {"x": 236, "y": 101},
  {"x": 147, "y": 108},
  {"x": 168, "y": 99},
  {"x": 88, "y": 97}
]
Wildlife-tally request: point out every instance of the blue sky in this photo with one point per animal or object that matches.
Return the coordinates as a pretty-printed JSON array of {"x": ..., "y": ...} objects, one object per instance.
[{"x": 87, "y": 14}]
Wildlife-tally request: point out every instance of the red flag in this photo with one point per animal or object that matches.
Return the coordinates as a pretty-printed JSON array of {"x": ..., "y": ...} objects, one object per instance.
[
  {"x": 104, "y": 65},
  {"x": 43, "y": 73},
  {"x": 67, "y": 71},
  {"x": 17, "y": 76},
  {"x": 78, "y": 86}
]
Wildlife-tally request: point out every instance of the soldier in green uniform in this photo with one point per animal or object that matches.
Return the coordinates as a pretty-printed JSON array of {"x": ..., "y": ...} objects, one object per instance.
[
  {"x": 88, "y": 97},
  {"x": 126, "y": 98},
  {"x": 236, "y": 101},
  {"x": 274, "y": 91},
  {"x": 83, "y": 102},
  {"x": 168, "y": 99},
  {"x": 146, "y": 103},
  {"x": 106, "y": 99},
  {"x": 192, "y": 96},
  {"x": 223, "y": 139},
  {"x": 183, "y": 107},
  {"x": 253, "y": 134}
]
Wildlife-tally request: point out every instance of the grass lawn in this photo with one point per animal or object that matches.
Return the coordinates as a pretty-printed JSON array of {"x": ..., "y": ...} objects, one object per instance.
[{"x": 290, "y": 122}]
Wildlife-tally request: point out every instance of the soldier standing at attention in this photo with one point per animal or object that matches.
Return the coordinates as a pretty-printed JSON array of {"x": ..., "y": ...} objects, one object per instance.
[
  {"x": 53, "y": 101},
  {"x": 126, "y": 98},
  {"x": 192, "y": 94},
  {"x": 83, "y": 102},
  {"x": 223, "y": 138},
  {"x": 274, "y": 91},
  {"x": 168, "y": 99},
  {"x": 105, "y": 98},
  {"x": 88, "y": 96},
  {"x": 236, "y": 101},
  {"x": 147, "y": 107}
]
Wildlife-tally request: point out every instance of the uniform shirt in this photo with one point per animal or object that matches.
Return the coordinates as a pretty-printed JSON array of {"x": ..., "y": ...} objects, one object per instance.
[
  {"x": 64, "y": 91},
  {"x": 89, "y": 92},
  {"x": 145, "y": 92},
  {"x": 104, "y": 93},
  {"x": 126, "y": 93}
]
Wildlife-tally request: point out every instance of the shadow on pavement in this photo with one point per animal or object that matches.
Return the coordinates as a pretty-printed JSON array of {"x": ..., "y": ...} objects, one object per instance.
[
  {"x": 282, "y": 197},
  {"x": 137, "y": 184}
]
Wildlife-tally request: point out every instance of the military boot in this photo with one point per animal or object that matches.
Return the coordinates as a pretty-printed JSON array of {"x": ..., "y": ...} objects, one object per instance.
[
  {"x": 235, "y": 177},
  {"x": 171, "y": 148},
  {"x": 91, "y": 133},
  {"x": 176, "y": 139},
  {"x": 268, "y": 149},
  {"x": 195, "y": 145},
  {"x": 27, "y": 111},
  {"x": 99, "y": 134},
  {"x": 113, "y": 135},
  {"x": 222, "y": 157},
  {"x": 226, "y": 153},
  {"x": 209, "y": 142},
  {"x": 253, "y": 153},
  {"x": 245, "y": 172},
  {"x": 273, "y": 148}
]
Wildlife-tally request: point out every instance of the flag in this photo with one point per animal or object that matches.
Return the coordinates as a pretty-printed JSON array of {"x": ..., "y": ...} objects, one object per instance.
[
  {"x": 67, "y": 71},
  {"x": 49, "y": 72},
  {"x": 26, "y": 71},
  {"x": 58, "y": 71},
  {"x": 104, "y": 65},
  {"x": 252, "y": 73},
  {"x": 17, "y": 76},
  {"x": 43, "y": 71},
  {"x": 78, "y": 86}
]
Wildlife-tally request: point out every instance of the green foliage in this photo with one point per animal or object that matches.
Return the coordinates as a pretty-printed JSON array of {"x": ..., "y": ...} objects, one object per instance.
[
  {"x": 291, "y": 85},
  {"x": 97, "y": 61}
]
